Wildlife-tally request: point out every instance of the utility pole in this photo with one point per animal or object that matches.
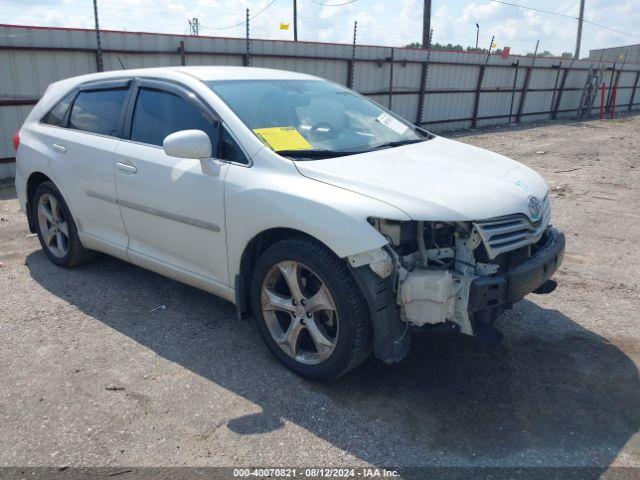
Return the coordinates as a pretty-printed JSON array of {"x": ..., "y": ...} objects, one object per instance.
[
  {"x": 99, "y": 63},
  {"x": 352, "y": 63},
  {"x": 477, "y": 35},
  {"x": 247, "y": 57},
  {"x": 295, "y": 20},
  {"x": 426, "y": 23},
  {"x": 576, "y": 55}
]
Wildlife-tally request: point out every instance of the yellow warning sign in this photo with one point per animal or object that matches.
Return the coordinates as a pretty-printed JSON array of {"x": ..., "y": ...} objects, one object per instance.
[
  {"x": 284, "y": 26},
  {"x": 283, "y": 138}
]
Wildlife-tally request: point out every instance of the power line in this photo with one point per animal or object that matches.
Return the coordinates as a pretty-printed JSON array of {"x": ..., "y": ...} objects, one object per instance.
[
  {"x": 126, "y": 5},
  {"x": 333, "y": 4},
  {"x": 535, "y": 9},
  {"x": 609, "y": 28},
  {"x": 565, "y": 16},
  {"x": 244, "y": 21}
]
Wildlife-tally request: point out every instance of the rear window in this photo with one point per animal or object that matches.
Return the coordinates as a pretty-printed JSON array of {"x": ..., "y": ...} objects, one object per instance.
[
  {"x": 158, "y": 114},
  {"x": 57, "y": 115},
  {"x": 98, "y": 111}
]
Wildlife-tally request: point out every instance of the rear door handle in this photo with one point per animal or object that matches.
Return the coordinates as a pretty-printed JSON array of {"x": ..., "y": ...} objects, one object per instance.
[
  {"x": 123, "y": 167},
  {"x": 59, "y": 148}
]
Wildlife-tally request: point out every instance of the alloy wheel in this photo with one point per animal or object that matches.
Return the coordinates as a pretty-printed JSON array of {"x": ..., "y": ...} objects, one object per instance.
[
  {"x": 299, "y": 312},
  {"x": 53, "y": 226}
]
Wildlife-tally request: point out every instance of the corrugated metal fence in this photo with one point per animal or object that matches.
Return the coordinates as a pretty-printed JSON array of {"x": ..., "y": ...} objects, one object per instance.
[{"x": 440, "y": 90}]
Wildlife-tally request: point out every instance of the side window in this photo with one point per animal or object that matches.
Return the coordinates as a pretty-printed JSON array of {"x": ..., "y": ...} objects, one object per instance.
[
  {"x": 98, "y": 111},
  {"x": 57, "y": 114},
  {"x": 158, "y": 114},
  {"x": 229, "y": 149}
]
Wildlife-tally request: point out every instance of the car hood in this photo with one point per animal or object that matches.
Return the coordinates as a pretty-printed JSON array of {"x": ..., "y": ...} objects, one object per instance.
[{"x": 438, "y": 179}]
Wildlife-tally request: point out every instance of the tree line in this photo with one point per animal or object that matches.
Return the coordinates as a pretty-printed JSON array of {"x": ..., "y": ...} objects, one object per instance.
[{"x": 460, "y": 48}]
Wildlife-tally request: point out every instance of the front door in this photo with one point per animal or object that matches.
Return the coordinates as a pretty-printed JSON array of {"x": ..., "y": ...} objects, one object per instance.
[{"x": 173, "y": 211}]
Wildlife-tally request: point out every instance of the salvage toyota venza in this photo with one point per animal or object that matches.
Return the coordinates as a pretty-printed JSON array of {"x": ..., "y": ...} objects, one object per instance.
[{"x": 340, "y": 226}]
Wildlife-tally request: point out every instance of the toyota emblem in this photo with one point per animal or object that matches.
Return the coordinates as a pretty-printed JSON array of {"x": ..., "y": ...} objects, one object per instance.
[{"x": 534, "y": 207}]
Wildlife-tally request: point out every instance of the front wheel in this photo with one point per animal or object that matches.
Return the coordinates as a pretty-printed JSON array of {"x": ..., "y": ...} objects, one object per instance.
[{"x": 309, "y": 310}]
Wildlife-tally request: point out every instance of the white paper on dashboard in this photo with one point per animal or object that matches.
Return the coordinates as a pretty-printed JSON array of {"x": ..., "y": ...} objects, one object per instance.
[{"x": 390, "y": 122}]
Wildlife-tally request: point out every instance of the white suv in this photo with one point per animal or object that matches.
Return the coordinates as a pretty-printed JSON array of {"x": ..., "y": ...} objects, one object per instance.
[{"x": 341, "y": 227}]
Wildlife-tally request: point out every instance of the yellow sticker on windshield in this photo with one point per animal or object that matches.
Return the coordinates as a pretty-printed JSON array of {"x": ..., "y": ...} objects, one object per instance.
[{"x": 283, "y": 138}]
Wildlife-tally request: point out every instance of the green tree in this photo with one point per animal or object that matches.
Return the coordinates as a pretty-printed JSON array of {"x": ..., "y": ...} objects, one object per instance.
[
  {"x": 437, "y": 46},
  {"x": 497, "y": 51}
]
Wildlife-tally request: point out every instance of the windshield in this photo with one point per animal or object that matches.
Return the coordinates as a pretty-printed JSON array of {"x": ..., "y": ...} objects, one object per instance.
[{"x": 313, "y": 118}]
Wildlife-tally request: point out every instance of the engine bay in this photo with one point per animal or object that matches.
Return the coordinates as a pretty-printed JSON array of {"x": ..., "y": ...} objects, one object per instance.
[{"x": 435, "y": 265}]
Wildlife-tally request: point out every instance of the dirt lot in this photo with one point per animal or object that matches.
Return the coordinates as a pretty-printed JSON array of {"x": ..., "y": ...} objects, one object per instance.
[{"x": 195, "y": 386}]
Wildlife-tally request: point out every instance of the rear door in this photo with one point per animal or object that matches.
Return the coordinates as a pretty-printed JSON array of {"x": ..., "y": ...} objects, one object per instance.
[
  {"x": 82, "y": 140},
  {"x": 173, "y": 212}
]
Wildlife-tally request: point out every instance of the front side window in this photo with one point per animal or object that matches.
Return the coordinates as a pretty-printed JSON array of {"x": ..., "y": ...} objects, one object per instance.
[
  {"x": 57, "y": 115},
  {"x": 159, "y": 113},
  {"x": 229, "y": 149},
  {"x": 314, "y": 116},
  {"x": 98, "y": 111}
]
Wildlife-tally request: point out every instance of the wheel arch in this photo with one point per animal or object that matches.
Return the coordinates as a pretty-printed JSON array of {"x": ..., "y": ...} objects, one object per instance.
[
  {"x": 391, "y": 339},
  {"x": 250, "y": 255},
  {"x": 35, "y": 179}
]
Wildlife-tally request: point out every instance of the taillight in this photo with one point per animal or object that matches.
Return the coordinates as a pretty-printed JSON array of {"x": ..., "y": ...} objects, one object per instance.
[{"x": 16, "y": 140}]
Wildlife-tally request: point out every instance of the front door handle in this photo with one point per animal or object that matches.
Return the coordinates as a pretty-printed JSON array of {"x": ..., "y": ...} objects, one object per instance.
[
  {"x": 59, "y": 148},
  {"x": 123, "y": 167}
]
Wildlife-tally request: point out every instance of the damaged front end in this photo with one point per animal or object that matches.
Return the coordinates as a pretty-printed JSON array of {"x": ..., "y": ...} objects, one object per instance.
[{"x": 457, "y": 275}]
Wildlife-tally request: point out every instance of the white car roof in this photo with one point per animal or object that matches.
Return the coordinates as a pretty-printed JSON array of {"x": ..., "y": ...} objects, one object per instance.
[
  {"x": 241, "y": 73},
  {"x": 204, "y": 73}
]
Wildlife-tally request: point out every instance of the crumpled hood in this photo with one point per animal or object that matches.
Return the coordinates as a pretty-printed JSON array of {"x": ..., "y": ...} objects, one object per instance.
[{"x": 438, "y": 179}]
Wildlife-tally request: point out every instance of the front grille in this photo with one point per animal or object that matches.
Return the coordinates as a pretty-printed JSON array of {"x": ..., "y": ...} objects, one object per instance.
[{"x": 504, "y": 234}]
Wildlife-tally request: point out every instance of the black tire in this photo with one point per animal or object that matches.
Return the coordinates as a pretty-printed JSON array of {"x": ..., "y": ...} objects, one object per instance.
[
  {"x": 354, "y": 339},
  {"x": 76, "y": 254}
]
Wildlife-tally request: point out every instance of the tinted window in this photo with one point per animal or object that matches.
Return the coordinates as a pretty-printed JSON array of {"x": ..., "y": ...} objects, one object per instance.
[
  {"x": 230, "y": 150},
  {"x": 98, "y": 111},
  {"x": 158, "y": 114},
  {"x": 56, "y": 115}
]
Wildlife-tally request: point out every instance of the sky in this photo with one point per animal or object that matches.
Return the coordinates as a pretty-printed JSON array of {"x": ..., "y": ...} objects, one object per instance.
[{"x": 380, "y": 22}]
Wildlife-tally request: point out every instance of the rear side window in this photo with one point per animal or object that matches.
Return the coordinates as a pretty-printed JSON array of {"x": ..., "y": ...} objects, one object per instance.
[
  {"x": 98, "y": 111},
  {"x": 158, "y": 114},
  {"x": 58, "y": 114}
]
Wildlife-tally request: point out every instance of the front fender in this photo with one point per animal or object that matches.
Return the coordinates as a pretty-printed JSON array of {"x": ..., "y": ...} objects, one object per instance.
[{"x": 261, "y": 198}]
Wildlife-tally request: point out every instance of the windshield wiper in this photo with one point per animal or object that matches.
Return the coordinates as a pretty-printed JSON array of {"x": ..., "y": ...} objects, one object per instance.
[
  {"x": 399, "y": 143},
  {"x": 314, "y": 154}
]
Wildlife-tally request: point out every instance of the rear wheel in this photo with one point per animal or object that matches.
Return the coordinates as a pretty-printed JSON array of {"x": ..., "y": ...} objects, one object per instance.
[
  {"x": 309, "y": 310},
  {"x": 56, "y": 229}
]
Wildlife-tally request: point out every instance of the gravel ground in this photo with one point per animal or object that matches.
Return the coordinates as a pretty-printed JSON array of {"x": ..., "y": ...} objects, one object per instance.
[{"x": 95, "y": 374}]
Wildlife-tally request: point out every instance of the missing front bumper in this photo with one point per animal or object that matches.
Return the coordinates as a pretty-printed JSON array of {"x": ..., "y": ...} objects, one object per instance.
[
  {"x": 468, "y": 301},
  {"x": 500, "y": 290},
  {"x": 436, "y": 298}
]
